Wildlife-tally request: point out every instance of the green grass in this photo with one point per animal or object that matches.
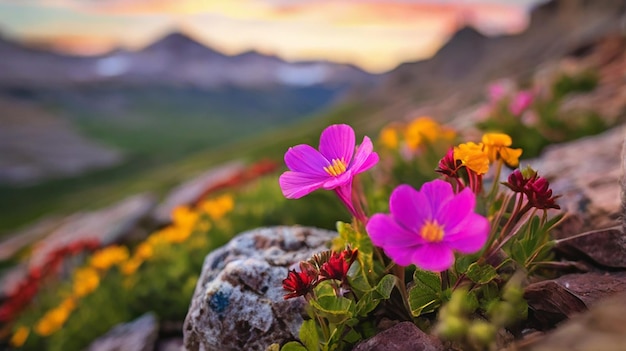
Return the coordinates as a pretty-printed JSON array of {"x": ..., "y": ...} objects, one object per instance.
[{"x": 159, "y": 174}]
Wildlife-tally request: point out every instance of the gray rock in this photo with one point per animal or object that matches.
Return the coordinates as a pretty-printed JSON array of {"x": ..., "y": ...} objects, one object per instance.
[
  {"x": 138, "y": 335},
  {"x": 404, "y": 336},
  {"x": 238, "y": 302}
]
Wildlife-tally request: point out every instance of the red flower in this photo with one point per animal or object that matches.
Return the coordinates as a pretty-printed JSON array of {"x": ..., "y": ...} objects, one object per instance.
[
  {"x": 540, "y": 195},
  {"x": 338, "y": 265},
  {"x": 448, "y": 166},
  {"x": 536, "y": 188},
  {"x": 300, "y": 283}
]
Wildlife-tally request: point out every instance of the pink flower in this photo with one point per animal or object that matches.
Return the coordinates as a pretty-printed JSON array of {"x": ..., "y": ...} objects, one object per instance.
[
  {"x": 426, "y": 226},
  {"x": 332, "y": 167},
  {"x": 521, "y": 102}
]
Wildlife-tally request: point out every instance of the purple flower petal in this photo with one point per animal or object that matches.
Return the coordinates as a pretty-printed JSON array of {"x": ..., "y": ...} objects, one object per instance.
[
  {"x": 454, "y": 212},
  {"x": 400, "y": 233},
  {"x": 364, "y": 158},
  {"x": 386, "y": 232},
  {"x": 433, "y": 257},
  {"x": 409, "y": 207},
  {"x": 295, "y": 185},
  {"x": 338, "y": 142},
  {"x": 402, "y": 256},
  {"x": 333, "y": 182},
  {"x": 471, "y": 236},
  {"x": 437, "y": 192},
  {"x": 304, "y": 158}
]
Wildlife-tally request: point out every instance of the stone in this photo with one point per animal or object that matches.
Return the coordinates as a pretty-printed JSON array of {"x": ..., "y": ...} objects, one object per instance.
[
  {"x": 552, "y": 301},
  {"x": 138, "y": 335},
  {"x": 605, "y": 248},
  {"x": 586, "y": 172},
  {"x": 404, "y": 336},
  {"x": 603, "y": 327},
  {"x": 238, "y": 302},
  {"x": 189, "y": 191}
]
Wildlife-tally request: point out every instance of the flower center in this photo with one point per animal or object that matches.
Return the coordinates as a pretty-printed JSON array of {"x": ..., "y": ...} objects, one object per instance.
[
  {"x": 432, "y": 232},
  {"x": 336, "y": 167}
]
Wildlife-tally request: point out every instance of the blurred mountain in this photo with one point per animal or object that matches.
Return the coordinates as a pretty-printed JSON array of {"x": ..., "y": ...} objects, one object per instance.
[
  {"x": 175, "y": 60},
  {"x": 470, "y": 59}
]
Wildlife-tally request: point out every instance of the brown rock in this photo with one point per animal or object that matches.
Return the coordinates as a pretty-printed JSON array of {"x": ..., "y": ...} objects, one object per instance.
[
  {"x": 404, "y": 336},
  {"x": 552, "y": 301},
  {"x": 603, "y": 327},
  {"x": 603, "y": 247}
]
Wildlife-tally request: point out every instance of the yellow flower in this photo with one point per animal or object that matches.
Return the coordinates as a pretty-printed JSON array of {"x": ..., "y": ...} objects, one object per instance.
[
  {"x": 184, "y": 217},
  {"x": 130, "y": 267},
  {"x": 175, "y": 235},
  {"x": 218, "y": 207},
  {"x": 19, "y": 337},
  {"x": 54, "y": 319},
  {"x": 425, "y": 129},
  {"x": 389, "y": 136},
  {"x": 86, "y": 280},
  {"x": 106, "y": 258},
  {"x": 472, "y": 156},
  {"x": 144, "y": 251},
  {"x": 497, "y": 146}
]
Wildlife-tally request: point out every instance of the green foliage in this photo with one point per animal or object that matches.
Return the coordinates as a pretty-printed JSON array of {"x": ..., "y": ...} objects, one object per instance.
[
  {"x": 425, "y": 295},
  {"x": 543, "y": 122}
]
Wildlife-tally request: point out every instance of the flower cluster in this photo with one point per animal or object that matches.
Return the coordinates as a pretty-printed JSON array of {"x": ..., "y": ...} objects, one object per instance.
[
  {"x": 28, "y": 288},
  {"x": 433, "y": 228},
  {"x": 416, "y": 135},
  {"x": 328, "y": 265},
  {"x": 87, "y": 279}
]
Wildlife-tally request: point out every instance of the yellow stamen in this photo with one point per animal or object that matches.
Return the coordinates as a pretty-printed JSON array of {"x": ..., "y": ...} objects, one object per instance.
[
  {"x": 432, "y": 232},
  {"x": 336, "y": 168}
]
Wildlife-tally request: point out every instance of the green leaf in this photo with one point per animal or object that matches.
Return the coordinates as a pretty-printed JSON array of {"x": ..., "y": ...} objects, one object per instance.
[
  {"x": 425, "y": 294},
  {"x": 481, "y": 274},
  {"x": 385, "y": 287},
  {"x": 335, "y": 309},
  {"x": 293, "y": 346},
  {"x": 369, "y": 271},
  {"x": 309, "y": 336}
]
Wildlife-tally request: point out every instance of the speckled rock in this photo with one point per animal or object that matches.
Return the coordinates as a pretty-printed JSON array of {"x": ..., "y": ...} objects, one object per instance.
[
  {"x": 138, "y": 335},
  {"x": 238, "y": 302}
]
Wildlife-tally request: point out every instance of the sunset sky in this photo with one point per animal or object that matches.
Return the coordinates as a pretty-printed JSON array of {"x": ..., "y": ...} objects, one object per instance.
[{"x": 374, "y": 34}]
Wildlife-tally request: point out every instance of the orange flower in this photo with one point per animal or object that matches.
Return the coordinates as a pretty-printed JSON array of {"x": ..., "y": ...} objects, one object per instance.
[
  {"x": 389, "y": 136},
  {"x": 184, "y": 217},
  {"x": 217, "y": 208},
  {"x": 54, "y": 319},
  {"x": 426, "y": 130},
  {"x": 497, "y": 147},
  {"x": 86, "y": 280},
  {"x": 19, "y": 337},
  {"x": 106, "y": 258},
  {"x": 473, "y": 157}
]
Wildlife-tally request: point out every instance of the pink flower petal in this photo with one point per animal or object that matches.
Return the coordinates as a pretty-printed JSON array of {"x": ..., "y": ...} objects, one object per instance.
[
  {"x": 333, "y": 182},
  {"x": 454, "y": 212},
  {"x": 470, "y": 236},
  {"x": 386, "y": 232},
  {"x": 433, "y": 257},
  {"x": 409, "y": 207},
  {"x": 305, "y": 159},
  {"x": 437, "y": 192},
  {"x": 295, "y": 185},
  {"x": 338, "y": 142},
  {"x": 364, "y": 158},
  {"x": 402, "y": 256}
]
